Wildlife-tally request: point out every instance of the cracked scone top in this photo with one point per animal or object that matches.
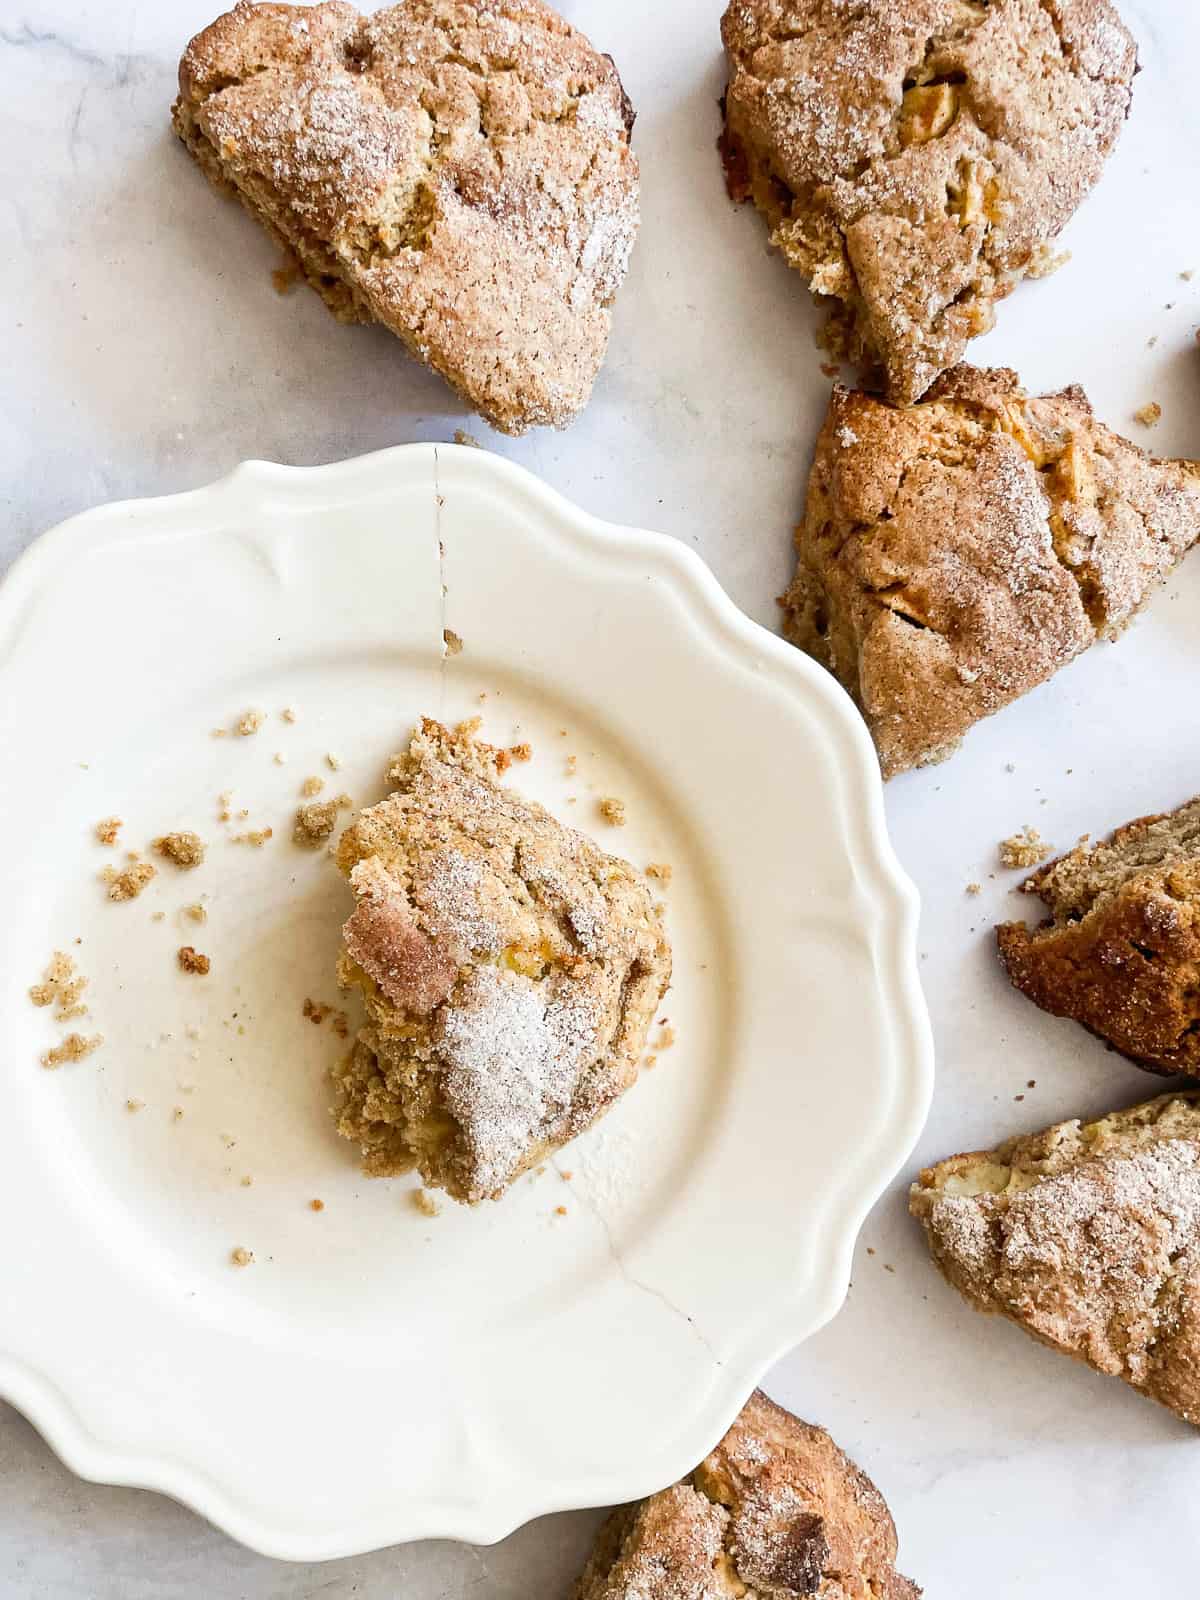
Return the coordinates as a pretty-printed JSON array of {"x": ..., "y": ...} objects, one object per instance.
[
  {"x": 509, "y": 966},
  {"x": 1120, "y": 952},
  {"x": 913, "y": 158},
  {"x": 956, "y": 553},
  {"x": 458, "y": 170},
  {"x": 776, "y": 1512},
  {"x": 1087, "y": 1235}
]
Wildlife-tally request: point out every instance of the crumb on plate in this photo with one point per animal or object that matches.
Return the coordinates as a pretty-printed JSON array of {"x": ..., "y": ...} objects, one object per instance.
[
  {"x": 250, "y": 722},
  {"x": 317, "y": 820},
  {"x": 184, "y": 849},
  {"x": 612, "y": 810},
  {"x": 73, "y": 1048},
  {"x": 129, "y": 884},
  {"x": 426, "y": 1203},
  {"x": 452, "y": 642},
  {"x": 662, "y": 870},
  {"x": 240, "y": 1256},
  {"x": 1148, "y": 415},
  {"x": 1024, "y": 849},
  {"x": 190, "y": 960},
  {"x": 108, "y": 828}
]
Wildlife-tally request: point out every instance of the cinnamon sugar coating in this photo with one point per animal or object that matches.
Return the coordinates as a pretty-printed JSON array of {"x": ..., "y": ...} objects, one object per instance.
[
  {"x": 777, "y": 1511},
  {"x": 956, "y": 553},
  {"x": 458, "y": 170},
  {"x": 1087, "y": 1235},
  {"x": 914, "y": 158},
  {"x": 509, "y": 966}
]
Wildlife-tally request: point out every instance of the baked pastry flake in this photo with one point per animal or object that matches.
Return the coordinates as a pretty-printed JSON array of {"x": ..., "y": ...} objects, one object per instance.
[
  {"x": 1120, "y": 952},
  {"x": 510, "y": 970},
  {"x": 914, "y": 159},
  {"x": 1087, "y": 1235},
  {"x": 458, "y": 170},
  {"x": 776, "y": 1512},
  {"x": 956, "y": 553}
]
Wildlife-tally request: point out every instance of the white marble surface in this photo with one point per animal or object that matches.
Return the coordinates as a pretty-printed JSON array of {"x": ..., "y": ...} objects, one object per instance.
[{"x": 144, "y": 350}]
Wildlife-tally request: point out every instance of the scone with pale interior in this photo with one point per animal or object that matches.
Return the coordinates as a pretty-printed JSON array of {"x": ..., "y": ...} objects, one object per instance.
[
  {"x": 956, "y": 553},
  {"x": 776, "y": 1512},
  {"x": 1120, "y": 952},
  {"x": 914, "y": 159},
  {"x": 1087, "y": 1235},
  {"x": 457, "y": 170},
  {"x": 510, "y": 970}
]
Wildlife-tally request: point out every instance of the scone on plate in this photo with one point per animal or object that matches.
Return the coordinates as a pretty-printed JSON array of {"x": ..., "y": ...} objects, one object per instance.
[
  {"x": 958, "y": 552},
  {"x": 777, "y": 1511},
  {"x": 1120, "y": 952},
  {"x": 458, "y": 170},
  {"x": 914, "y": 159},
  {"x": 1087, "y": 1235},
  {"x": 509, "y": 966}
]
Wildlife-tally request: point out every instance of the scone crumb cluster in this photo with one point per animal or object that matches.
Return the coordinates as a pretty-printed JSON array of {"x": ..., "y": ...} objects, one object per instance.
[{"x": 509, "y": 966}]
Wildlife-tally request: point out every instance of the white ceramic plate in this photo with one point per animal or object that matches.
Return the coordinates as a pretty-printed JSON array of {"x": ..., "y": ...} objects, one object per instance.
[{"x": 375, "y": 1375}]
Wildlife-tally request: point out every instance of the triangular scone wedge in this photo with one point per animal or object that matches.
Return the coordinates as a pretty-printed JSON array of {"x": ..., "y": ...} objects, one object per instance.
[
  {"x": 460, "y": 173},
  {"x": 776, "y": 1511},
  {"x": 1087, "y": 1235},
  {"x": 956, "y": 553},
  {"x": 914, "y": 159},
  {"x": 1121, "y": 950}
]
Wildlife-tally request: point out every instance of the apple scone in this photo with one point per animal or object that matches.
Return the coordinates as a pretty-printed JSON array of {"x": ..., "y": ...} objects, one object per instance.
[
  {"x": 1087, "y": 1235},
  {"x": 776, "y": 1511},
  {"x": 1120, "y": 952},
  {"x": 956, "y": 553},
  {"x": 457, "y": 170},
  {"x": 914, "y": 159},
  {"x": 510, "y": 970}
]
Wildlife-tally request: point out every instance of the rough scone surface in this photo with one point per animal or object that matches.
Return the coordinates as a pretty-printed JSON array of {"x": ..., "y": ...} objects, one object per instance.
[
  {"x": 913, "y": 158},
  {"x": 956, "y": 553},
  {"x": 1088, "y": 1236},
  {"x": 509, "y": 966},
  {"x": 777, "y": 1510},
  {"x": 1120, "y": 952},
  {"x": 458, "y": 170}
]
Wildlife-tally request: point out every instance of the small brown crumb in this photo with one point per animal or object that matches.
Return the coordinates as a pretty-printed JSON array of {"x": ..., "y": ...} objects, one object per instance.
[
  {"x": 134, "y": 1105},
  {"x": 888, "y": 1267},
  {"x": 196, "y": 912},
  {"x": 316, "y": 1205},
  {"x": 974, "y": 888},
  {"x": 129, "y": 884},
  {"x": 312, "y": 786},
  {"x": 317, "y": 820},
  {"x": 279, "y": 758},
  {"x": 192, "y": 961},
  {"x": 462, "y": 437},
  {"x": 560, "y": 1211},
  {"x": 285, "y": 278},
  {"x": 316, "y": 1011},
  {"x": 521, "y": 752},
  {"x": 184, "y": 849},
  {"x": 108, "y": 829},
  {"x": 650, "y": 1062},
  {"x": 426, "y": 1203},
  {"x": 1032, "y": 1084},
  {"x": 250, "y": 722},
  {"x": 220, "y": 733},
  {"x": 572, "y": 766},
  {"x": 341, "y": 1024},
  {"x": 177, "y": 1114},
  {"x": 1148, "y": 415},
  {"x": 453, "y": 644},
  {"x": 666, "y": 1036},
  {"x": 288, "y": 713},
  {"x": 241, "y": 1257},
  {"x": 613, "y": 810},
  {"x": 662, "y": 870},
  {"x": 158, "y": 916},
  {"x": 870, "y": 1249},
  {"x": 1024, "y": 849},
  {"x": 1018, "y": 1097},
  {"x": 566, "y": 1176},
  {"x": 1188, "y": 275},
  {"x": 830, "y": 369},
  {"x": 334, "y": 763},
  {"x": 247, "y": 1181},
  {"x": 255, "y": 837}
]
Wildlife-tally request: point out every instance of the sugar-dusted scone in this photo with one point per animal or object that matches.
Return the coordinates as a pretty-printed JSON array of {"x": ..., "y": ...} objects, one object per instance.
[
  {"x": 1120, "y": 952},
  {"x": 1087, "y": 1235},
  {"x": 776, "y": 1512},
  {"x": 509, "y": 966},
  {"x": 914, "y": 158},
  {"x": 458, "y": 170},
  {"x": 956, "y": 553}
]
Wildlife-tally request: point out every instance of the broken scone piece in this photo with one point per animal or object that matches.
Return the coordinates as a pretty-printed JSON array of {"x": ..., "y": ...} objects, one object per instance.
[
  {"x": 457, "y": 170},
  {"x": 777, "y": 1511},
  {"x": 1120, "y": 952},
  {"x": 1087, "y": 1235},
  {"x": 956, "y": 553},
  {"x": 509, "y": 966},
  {"x": 914, "y": 158}
]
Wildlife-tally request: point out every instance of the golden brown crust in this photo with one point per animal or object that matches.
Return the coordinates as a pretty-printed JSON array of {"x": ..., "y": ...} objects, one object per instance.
[
  {"x": 915, "y": 157},
  {"x": 776, "y": 1511},
  {"x": 510, "y": 970},
  {"x": 1088, "y": 1237},
  {"x": 956, "y": 553},
  {"x": 458, "y": 170},
  {"x": 1121, "y": 951}
]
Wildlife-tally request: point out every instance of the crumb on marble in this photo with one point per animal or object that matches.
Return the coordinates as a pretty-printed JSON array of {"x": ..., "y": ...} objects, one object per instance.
[
  {"x": 254, "y": 837},
  {"x": 191, "y": 960},
  {"x": 196, "y": 912},
  {"x": 129, "y": 884},
  {"x": 316, "y": 821},
  {"x": 612, "y": 810},
  {"x": 184, "y": 849},
  {"x": 1024, "y": 849},
  {"x": 1148, "y": 415},
  {"x": 662, "y": 870},
  {"x": 73, "y": 1048},
  {"x": 452, "y": 643}
]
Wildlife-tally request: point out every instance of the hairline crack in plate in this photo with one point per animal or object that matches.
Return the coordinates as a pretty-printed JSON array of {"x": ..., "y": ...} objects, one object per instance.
[{"x": 375, "y": 1376}]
